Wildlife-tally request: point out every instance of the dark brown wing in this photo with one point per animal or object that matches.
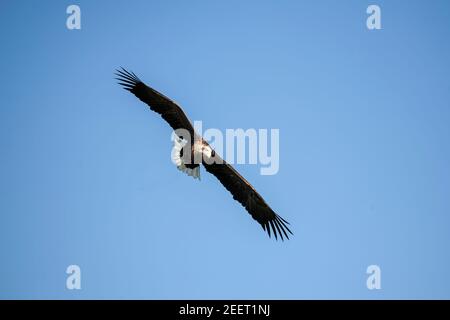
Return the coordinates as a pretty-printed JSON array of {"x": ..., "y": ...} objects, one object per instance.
[
  {"x": 168, "y": 109},
  {"x": 246, "y": 195}
]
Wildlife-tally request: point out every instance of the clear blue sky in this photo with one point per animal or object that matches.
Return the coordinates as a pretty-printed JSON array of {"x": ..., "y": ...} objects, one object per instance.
[{"x": 86, "y": 176}]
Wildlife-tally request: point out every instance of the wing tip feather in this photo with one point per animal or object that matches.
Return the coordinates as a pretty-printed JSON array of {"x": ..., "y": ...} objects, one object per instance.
[
  {"x": 127, "y": 79},
  {"x": 277, "y": 227}
]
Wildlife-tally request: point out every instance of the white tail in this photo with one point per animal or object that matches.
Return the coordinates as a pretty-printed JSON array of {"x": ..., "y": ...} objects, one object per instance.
[{"x": 195, "y": 173}]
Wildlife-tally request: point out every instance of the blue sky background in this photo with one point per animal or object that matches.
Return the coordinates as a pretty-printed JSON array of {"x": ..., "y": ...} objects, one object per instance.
[{"x": 86, "y": 176}]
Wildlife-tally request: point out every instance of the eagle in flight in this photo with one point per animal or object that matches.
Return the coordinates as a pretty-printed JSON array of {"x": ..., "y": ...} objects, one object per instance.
[{"x": 202, "y": 153}]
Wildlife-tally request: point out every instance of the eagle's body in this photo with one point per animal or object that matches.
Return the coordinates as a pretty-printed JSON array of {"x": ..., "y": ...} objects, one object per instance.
[
  {"x": 188, "y": 157},
  {"x": 189, "y": 154}
]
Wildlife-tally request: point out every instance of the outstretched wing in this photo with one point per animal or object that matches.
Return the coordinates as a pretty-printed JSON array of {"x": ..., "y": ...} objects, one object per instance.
[
  {"x": 248, "y": 197},
  {"x": 168, "y": 109}
]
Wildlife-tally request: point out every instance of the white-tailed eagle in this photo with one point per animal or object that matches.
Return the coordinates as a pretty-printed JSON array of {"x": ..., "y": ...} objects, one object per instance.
[{"x": 241, "y": 189}]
